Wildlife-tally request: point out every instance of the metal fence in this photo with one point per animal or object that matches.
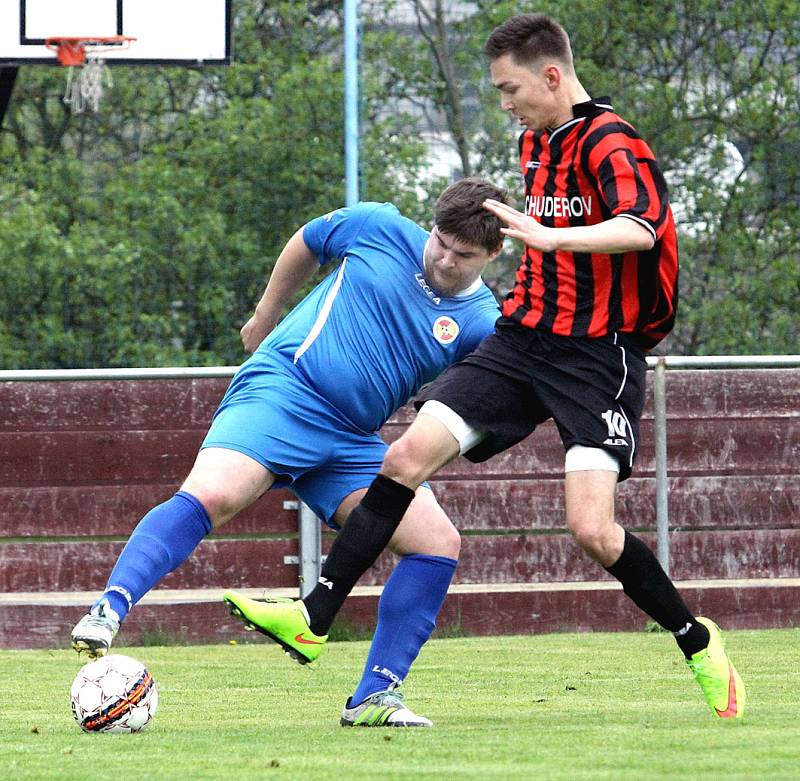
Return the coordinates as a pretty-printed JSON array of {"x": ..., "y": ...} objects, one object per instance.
[{"x": 310, "y": 553}]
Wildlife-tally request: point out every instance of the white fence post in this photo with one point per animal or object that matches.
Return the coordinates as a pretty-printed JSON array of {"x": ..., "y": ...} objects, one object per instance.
[
  {"x": 310, "y": 549},
  {"x": 662, "y": 488}
]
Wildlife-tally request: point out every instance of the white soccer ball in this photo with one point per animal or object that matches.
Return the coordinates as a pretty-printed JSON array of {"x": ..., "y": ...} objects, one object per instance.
[{"x": 114, "y": 694}]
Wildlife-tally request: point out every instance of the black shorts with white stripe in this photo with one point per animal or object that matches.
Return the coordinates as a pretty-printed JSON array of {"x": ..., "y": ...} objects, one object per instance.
[{"x": 519, "y": 377}]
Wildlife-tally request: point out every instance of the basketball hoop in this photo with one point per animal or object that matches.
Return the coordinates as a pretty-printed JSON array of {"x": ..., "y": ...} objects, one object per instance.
[{"x": 85, "y": 88}]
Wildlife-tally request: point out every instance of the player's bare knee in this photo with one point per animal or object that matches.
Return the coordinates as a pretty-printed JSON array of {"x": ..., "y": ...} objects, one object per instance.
[
  {"x": 443, "y": 539},
  {"x": 587, "y": 538},
  {"x": 438, "y": 540},
  {"x": 405, "y": 463},
  {"x": 449, "y": 541},
  {"x": 596, "y": 539},
  {"x": 216, "y": 501}
]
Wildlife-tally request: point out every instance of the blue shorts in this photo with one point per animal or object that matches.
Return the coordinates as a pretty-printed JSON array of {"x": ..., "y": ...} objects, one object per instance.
[{"x": 275, "y": 418}]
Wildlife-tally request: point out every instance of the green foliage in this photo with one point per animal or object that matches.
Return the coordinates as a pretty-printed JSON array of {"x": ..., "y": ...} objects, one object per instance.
[{"x": 143, "y": 235}]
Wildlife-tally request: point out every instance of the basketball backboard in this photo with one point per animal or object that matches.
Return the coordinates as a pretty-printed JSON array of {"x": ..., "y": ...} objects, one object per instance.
[{"x": 181, "y": 32}]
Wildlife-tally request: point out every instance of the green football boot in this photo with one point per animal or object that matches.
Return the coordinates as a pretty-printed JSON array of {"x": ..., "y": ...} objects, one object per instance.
[
  {"x": 382, "y": 709},
  {"x": 721, "y": 684},
  {"x": 283, "y": 620}
]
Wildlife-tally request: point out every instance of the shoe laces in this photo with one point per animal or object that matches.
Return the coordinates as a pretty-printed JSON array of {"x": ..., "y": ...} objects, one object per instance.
[
  {"x": 97, "y": 617},
  {"x": 707, "y": 668},
  {"x": 273, "y": 600},
  {"x": 98, "y": 621},
  {"x": 392, "y": 696}
]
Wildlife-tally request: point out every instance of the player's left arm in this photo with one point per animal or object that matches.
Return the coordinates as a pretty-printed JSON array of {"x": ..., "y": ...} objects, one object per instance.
[
  {"x": 619, "y": 234},
  {"x": 294, "y": 266}
]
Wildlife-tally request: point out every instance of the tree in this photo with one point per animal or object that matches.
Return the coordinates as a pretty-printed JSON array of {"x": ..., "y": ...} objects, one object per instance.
[{"x": 143, "y": 235}]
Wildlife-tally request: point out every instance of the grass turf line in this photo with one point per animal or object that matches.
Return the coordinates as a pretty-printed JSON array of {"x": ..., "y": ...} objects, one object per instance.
[{"x": 558, "y": 706}]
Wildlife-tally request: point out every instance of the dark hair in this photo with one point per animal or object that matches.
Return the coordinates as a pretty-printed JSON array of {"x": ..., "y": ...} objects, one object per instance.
[
  {"x": 527, "y": 38},
  {"x": 459, "y": 213}
]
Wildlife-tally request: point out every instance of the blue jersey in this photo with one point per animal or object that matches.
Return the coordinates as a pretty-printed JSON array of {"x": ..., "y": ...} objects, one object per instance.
[{"x": 371, "y": 334}]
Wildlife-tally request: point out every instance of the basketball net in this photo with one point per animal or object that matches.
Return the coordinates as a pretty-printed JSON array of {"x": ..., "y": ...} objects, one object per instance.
[
  {"x": 87, "y": 73},
  {"x": 85, "y": 83}
]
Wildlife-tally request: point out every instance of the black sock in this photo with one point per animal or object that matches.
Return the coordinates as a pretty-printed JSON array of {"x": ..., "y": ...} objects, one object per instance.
[
  {"x": 367, "y": 532},
  {"x": 643, "y": 579},
  {"x": 692, "y": 638}
]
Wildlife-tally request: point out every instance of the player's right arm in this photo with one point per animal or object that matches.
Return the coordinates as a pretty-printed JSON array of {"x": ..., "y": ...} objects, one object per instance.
[
  {"x": 294, "y": 266},
  {"x": 617, "y": 234}
]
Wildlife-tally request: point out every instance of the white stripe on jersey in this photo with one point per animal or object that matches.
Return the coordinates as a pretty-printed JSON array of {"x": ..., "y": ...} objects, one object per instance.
[{"x": 323, "y": 314}]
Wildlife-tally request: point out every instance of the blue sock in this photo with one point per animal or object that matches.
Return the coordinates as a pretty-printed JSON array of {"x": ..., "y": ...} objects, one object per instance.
[
  {"x": 407, "y": 610},
  {"x": 161, "y": 541}
]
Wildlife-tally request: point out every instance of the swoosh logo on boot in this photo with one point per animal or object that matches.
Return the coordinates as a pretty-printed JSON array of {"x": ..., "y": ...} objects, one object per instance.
[
  {"x": 300, "y": 639},
  {"x": 730, "y": 711}
]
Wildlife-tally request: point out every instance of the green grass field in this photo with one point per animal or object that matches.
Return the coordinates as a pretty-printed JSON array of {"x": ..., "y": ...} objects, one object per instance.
[{"x": 592, "y": 706}]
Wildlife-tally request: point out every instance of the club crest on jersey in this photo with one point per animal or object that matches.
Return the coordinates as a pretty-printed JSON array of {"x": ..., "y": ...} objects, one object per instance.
[{"x": 445, "y": 329}]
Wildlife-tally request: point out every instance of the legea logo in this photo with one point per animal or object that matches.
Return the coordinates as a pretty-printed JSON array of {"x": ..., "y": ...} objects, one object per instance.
[
  {"x": 386, "y": 672},
  {"x": 422, "y": 282}
]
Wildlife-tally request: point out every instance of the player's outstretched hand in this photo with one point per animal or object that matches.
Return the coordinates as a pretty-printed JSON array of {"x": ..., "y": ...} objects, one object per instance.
[{"x": 523, "y": 227}]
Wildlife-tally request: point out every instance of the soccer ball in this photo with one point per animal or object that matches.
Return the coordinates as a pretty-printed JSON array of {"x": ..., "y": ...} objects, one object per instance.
[{"x": 114, "y": 694}]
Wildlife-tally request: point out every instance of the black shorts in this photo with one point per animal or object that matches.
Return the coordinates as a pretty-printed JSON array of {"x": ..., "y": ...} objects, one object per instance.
[{"x": 519, "y": 377}]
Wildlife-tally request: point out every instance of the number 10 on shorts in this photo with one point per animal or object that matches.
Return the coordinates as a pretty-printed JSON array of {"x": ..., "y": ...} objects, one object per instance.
[{"x": 617, "y": 427}]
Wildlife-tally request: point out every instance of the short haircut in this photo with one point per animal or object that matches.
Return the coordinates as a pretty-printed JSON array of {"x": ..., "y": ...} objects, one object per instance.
[
  {"x": 528, "y": 38},
  {"x": 459, "y": 213}
]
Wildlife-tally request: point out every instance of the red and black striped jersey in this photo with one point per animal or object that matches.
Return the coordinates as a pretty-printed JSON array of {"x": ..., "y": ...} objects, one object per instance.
[{"x": 590, "y": 169}]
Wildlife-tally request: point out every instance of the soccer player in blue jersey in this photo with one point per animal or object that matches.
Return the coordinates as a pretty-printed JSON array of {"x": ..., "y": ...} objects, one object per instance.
[{"x": 304, "y": 412}]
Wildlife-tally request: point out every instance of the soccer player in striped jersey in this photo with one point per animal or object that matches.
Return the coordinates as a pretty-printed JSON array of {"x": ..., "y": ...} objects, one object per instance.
[
  {"x": 304, "y": 412},
  {"x": 596, "y": 289}
]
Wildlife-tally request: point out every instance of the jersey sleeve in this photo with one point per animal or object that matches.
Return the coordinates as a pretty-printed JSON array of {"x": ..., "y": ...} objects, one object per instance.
[
  {"x": 629, "y": 179},
  {"x": 330, "y": 237},
  {"x": 480, "y": 326}
]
